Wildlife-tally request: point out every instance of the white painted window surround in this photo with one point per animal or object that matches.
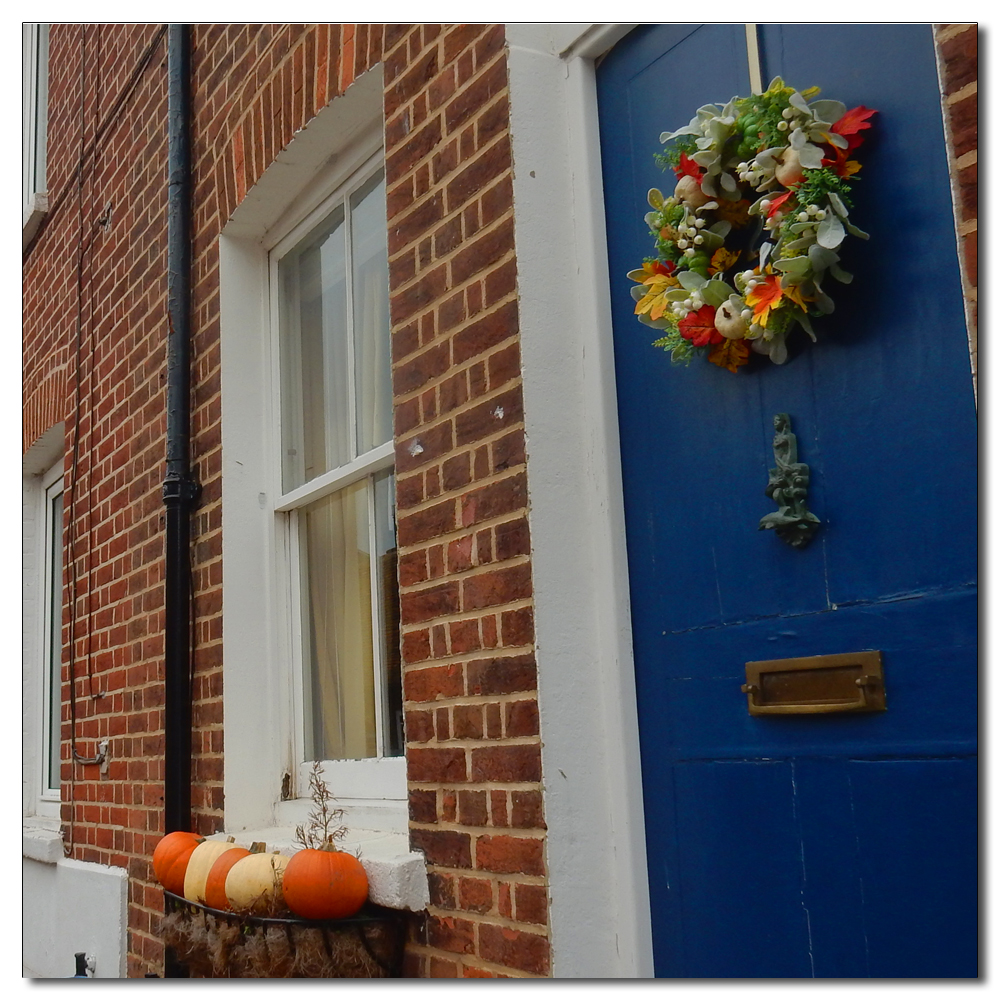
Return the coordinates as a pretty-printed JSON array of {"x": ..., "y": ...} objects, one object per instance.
[
  {"x": 261, "y": 691},
  {"x": 34, "y": 119},
  {"x": 595, "y": 849},
  {"x": 41, "y": 476}
]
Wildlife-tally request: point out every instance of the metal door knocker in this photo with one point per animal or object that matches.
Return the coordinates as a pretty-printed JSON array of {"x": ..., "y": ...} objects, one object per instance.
[{"x": 788, "y": 486}]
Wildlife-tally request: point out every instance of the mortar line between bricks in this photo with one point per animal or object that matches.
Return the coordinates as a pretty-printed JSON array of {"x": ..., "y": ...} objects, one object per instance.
[
  {"x": 453, "y": 214},
  {"x": 461, "y": 577},
  {"x": 946, "y": 34},
  {"x": 969, "y": 90},
  {"x": 470, "y": 701},
  {"x": 492, "y": 479},
  {"x": 466, "y": 743},
  {"x": 442, "y": 184},
  {"x": 461, "y": 286},
  {"x": 485, "y": 653},
  {"x": 476, "y": 76},
  {"x": 437, "y": 380}
]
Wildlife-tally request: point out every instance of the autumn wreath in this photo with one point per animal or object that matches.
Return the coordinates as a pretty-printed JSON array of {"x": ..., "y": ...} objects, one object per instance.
[{"x": 747, "y": 239}]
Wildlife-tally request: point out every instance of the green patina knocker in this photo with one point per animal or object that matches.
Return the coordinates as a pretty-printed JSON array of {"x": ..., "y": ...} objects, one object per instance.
[{"x": 788, "y": 486}]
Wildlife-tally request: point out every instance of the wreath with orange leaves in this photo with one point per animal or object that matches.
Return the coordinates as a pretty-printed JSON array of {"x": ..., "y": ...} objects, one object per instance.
[{"x": 752, "y": 230}]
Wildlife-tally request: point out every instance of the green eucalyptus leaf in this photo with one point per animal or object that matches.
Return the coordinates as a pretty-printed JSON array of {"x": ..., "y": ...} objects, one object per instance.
[
  {"x": 854, "y": 231},
  {"x": 715, "y": 292},
  {"x": 845, "y": 277},
  {"x": 802, "y": 244},
  {"x": 803, "y": 320},
  {"x": 838, "y": 206},
  {"x": 799, "y": 102},
  {"x": 811, "y": 157},
  {"x": 828, "y": 111},
  {"x": 720, "y": 228},
  {"x": 690, "y": 280},
  {"x": 711, "y": 241},
  {"x": 822, "y": 257},
  {"x": 830, "y": 233},
  {"x": 823, "y": 302},
  {"x": 793, "y": 265}
]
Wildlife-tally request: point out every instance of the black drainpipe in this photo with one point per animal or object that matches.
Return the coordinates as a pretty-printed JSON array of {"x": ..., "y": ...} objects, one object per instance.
[{"x": 179, "y": 488}]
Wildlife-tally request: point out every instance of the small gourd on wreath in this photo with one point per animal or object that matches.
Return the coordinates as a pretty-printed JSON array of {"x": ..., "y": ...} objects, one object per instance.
[{"x": 745, "y": 243}]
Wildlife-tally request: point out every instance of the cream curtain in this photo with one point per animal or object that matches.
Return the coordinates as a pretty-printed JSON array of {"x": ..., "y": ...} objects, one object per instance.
[{"x": 341, "y": 670}]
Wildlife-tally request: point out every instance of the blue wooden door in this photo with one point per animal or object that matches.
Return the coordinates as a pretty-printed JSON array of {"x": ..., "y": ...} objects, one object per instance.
[{"x": 805, "y": 845}]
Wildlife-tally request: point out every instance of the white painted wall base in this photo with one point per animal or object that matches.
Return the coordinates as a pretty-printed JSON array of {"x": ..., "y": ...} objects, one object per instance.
[{"x": 73, "y": 906}]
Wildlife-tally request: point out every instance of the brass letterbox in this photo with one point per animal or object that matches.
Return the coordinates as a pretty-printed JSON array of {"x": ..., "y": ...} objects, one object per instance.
[{"x": 842, "y": 682}]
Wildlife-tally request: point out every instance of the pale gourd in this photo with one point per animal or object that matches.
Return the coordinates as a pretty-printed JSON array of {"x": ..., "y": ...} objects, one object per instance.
[
  {"x": 200, "y": 864},
  {"x": 254, "y": 882}
]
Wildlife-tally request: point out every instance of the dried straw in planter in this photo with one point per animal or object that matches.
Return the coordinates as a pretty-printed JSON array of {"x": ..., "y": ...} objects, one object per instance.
[{"x": 212, "y": 948}]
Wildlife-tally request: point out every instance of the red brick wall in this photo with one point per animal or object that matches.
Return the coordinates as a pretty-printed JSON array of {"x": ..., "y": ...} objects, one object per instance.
[
  {"x": 473, "y": 750},
  {"x": 958, "y": 57},
  {"x": 94, "y": 356}
]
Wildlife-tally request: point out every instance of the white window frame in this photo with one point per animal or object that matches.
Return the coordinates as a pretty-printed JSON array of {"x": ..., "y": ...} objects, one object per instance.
[
  {"x": 50, "y": 607},
  {"x": 377, "y": 777},
  {"x": 34, "y": 123},
  {"x": 42, "y": 480},
  {"x": 262, "y": 734}
]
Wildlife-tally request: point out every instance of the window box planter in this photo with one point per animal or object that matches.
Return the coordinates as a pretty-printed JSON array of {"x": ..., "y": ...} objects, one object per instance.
[{"x": 215, "y": 944}]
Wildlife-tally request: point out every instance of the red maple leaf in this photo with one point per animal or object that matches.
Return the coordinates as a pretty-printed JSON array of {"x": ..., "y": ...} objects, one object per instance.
[
  {"x": 699, "y": 327},
  {"x": 851, "y": 123},
  {"x": 776, "y": 203},
  {"x": 688, "y": 168}
]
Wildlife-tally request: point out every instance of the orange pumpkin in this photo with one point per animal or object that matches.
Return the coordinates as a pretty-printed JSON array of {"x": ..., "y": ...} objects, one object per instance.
[
  {"x": 215, "y": 884},
  {"x": 324, "y": 885},
  {"x": 171, "y": 857}
]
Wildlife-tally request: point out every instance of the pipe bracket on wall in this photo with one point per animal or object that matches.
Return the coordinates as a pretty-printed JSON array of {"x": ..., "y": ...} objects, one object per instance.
[{"x": 788, "y": 487}]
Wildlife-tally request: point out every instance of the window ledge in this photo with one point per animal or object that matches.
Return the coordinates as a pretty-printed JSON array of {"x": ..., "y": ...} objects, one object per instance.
[
  {"x": 397, "y": 876},
  {"x": 41, "y": 840},
  {"x": 35, "y": 209}
]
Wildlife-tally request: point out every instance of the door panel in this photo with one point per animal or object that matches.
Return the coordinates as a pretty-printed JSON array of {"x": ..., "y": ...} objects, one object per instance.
[{"x": 780, "y": 822}]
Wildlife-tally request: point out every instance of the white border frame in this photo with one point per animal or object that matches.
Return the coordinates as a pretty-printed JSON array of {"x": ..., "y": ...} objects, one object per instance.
[{"x": 599, "y": 895}]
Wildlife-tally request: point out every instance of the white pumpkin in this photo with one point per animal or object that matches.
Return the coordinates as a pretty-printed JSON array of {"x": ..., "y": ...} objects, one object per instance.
[
  {"x": 689, "y": 191},
  {"x": 200, "y": 864},
  {"x": 254, "y": 882},
  {"x": 729, "y": 321}
]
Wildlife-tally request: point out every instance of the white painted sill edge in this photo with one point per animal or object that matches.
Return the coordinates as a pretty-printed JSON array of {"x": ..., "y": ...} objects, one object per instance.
[
  {"x": 35, "y": 209},
  {"x": 40, "y": 842},
  {"x": 397, "y": 876}
]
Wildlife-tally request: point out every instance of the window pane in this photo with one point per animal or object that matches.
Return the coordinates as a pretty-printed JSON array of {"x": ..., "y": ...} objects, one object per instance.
[
  {"x": 54, "y": 598},
  {"x": 373, "y": 380},
  {"x": 337, "y": 609},
  {"x": 392, "y": 682},
  {"x": 316, "y": 432}
]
